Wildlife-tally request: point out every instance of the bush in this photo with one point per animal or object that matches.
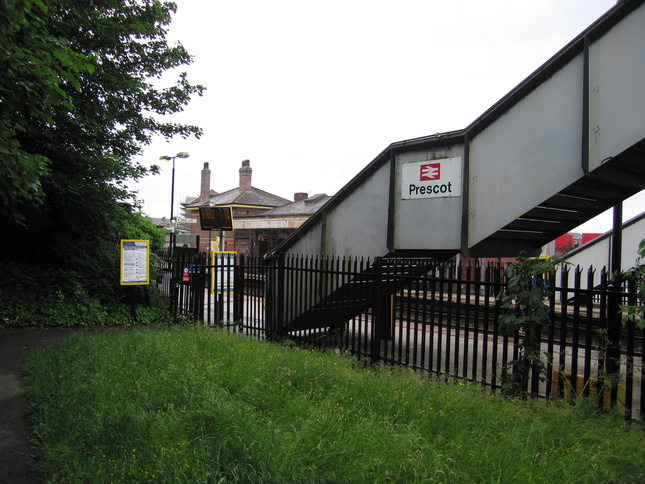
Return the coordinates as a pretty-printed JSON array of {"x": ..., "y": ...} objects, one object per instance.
[
  {"x": 635, "y": 313},
  {"x": 80, "y": 309}
]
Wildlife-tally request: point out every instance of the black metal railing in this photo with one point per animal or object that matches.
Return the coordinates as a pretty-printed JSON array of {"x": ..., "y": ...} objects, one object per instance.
[{"x": 437, "y": 317}]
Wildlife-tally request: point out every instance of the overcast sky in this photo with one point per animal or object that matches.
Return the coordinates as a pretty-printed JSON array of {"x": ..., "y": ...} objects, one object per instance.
[{"x": 311, "y": 92}]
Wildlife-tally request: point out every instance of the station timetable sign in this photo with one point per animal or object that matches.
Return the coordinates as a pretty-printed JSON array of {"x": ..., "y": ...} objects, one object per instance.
[
  {"x": 135, "y": 262},
  {"x": 216, "y": 218}
]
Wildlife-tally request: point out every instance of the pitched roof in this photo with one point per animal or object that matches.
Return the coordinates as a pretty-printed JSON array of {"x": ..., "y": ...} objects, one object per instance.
[
  {"x": 236, "y": 196},
  {"x": 190, "y": 201},
  {"x": 306, "y": 206}
]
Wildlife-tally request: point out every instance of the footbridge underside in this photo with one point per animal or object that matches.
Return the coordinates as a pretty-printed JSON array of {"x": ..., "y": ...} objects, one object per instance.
[
  {"x": 611, "y": 183},
  {"x": 562, "y": 147}
]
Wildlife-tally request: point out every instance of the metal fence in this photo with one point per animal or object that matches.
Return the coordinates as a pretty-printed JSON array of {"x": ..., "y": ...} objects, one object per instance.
[{"x": 443, "y": 321}]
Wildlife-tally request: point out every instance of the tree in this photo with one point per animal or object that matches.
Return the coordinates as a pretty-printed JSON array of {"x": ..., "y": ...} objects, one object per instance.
[
  {"x": 524, "y": 314},
  {"x": 79, "y": 102},
  {"x": 35, "y": 69}
]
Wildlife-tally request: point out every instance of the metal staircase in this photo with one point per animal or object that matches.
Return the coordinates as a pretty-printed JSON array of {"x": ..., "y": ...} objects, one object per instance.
[{"x": 359, "y": 293}]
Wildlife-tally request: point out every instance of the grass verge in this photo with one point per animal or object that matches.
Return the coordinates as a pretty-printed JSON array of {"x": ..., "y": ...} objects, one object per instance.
[{"x": 199, "y": 405}]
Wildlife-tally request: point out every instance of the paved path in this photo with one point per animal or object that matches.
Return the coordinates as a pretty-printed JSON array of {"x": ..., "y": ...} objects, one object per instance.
[{"x": 17, "y": 462}]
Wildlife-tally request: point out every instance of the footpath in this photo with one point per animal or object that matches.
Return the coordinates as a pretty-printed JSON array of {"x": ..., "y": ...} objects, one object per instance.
[{"x": 17, "y": 462}]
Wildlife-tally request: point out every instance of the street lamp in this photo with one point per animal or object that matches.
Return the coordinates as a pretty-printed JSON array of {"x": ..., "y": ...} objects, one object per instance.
[{"x": 181, "y": 154}]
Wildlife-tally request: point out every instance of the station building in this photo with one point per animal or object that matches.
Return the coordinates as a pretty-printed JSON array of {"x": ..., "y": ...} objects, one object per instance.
[{"x": 261, "y": 220}]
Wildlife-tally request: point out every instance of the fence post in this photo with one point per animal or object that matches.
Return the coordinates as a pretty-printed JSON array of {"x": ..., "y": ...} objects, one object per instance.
[
  {"x": 210, "y": 288},
  {"x": 631, "y": 337},
  {"x": 275, "y": 286},
  {"x": 238, "y": 289},
  {"x": 217, "y": 285},
  {"x": 614, "y": 321},
  {"x": 174, "y": 285},
  {"x": 614, "y": 326},
  {"x": 197, "y": 283},
  {"x": 379, "y": 318}
]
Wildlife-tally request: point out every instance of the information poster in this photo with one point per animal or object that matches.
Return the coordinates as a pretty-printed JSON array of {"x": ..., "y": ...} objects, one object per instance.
[
  {"x": 135, "y": 262},
  {"x": 223, "y": 277}
]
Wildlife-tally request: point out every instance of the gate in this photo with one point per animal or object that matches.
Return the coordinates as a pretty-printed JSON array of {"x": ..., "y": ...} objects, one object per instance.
[{"x": 221, "y": 288}]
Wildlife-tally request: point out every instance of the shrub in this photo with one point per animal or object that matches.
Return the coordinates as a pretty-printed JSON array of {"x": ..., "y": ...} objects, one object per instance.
[
  {"x": 62, "y": 309},
  {"x": 636, "y": 312}
]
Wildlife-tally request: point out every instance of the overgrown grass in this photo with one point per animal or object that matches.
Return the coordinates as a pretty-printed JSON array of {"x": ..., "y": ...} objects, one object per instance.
[{"x": 201, "y": 405}]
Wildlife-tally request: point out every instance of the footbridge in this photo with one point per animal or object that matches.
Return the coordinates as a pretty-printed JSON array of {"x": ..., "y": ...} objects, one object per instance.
[{"x": 562, "y": 147}]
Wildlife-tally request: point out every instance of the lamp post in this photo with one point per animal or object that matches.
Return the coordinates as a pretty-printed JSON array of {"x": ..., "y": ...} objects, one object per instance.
[{"x": 181, "y": 154}]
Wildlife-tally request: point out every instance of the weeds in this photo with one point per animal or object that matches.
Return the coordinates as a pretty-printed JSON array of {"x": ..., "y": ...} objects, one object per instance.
[{"x": 191, "y": 404}]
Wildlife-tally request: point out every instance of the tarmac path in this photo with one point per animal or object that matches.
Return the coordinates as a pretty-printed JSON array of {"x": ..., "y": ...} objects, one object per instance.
[{"x": 18, "y": 463}]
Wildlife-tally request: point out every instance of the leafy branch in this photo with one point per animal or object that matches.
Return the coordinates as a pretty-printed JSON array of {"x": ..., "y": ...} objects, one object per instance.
[
  {"x": 636, "y": 313},
  {"x": 524, "y": 314}
]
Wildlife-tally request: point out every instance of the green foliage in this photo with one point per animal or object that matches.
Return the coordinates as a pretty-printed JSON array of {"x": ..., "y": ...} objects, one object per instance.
[
  {"x": 51, "y": 296},
  {"x": 65, "y": 309},
  {"x": 194, "y": 404},
  {"x": 81, "y": 97},
  {"x": 635, "y": 313},
  {"x": 40, "y": 69},
  {"x": 135, "y": 226},
  {"x": 524, "y": 313},
  {"x": 37, "y": 68}
]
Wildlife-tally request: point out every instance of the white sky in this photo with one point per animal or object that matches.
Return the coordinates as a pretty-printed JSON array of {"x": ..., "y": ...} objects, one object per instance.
[{"x": 311, "y": 92}]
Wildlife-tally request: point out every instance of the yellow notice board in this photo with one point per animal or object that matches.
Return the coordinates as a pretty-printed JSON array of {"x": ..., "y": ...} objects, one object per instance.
[
  {"x": 135, "y": 262},
  {"x": 222, "y": 275}
]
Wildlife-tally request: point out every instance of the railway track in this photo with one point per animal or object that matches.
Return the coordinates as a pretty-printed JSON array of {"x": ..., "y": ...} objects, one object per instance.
[{"x": 482, "y": 318}]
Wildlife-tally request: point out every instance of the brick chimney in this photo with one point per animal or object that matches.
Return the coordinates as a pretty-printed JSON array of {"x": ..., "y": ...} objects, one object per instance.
[
  {"x": 204, "y": 193},
  {"x": 299, "y": 196},
  {"x": 245, "y": 176}
]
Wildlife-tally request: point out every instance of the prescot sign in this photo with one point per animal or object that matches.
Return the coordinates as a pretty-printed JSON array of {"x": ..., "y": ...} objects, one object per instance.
[{"x": 431, "y": 179}]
